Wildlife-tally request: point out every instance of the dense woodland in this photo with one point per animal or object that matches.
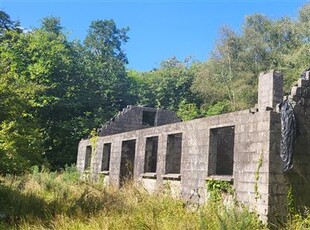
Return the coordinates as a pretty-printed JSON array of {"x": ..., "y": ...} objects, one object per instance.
[{"x": 54, "y": 91}]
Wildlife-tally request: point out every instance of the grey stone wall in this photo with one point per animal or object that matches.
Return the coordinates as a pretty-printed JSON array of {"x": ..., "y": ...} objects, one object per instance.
[
  {"x": 257, "y": 174},
  {"x": 131, "y": 118},
  {"x": 251, "y": 143},
  {"x": 297, "y": 180}
]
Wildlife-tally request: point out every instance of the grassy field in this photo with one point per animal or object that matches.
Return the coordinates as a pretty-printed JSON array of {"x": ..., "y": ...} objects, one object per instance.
[{"x": 48, "y": 200}]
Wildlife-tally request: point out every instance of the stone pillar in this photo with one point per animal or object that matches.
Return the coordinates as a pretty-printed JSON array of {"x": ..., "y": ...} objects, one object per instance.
[
  {"x": 139, "y": 156},
  {"x": 80, "y": 163},
  {"x": 270, "y": 90}
]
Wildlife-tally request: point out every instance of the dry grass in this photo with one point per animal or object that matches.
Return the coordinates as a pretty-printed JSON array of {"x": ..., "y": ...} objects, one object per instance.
[{"x": 45, "y": 200}]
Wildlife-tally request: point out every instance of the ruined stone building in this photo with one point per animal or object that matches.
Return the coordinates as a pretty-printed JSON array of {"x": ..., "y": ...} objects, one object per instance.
[{"x": 153, "y": 147}]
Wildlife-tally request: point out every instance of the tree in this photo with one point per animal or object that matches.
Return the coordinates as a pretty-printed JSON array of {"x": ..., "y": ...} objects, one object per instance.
[
  {"x": 104, "y": 62},
  {"x": 7, "y": 24},
  {"x": 225, "y": 76},
  {"x": 264, "y": 44},
  {"x": 20, "y": 135},
  {"x": 187, "y": 111},
  {"x": 73, "y": 88},
  {"x": 52, "y": 25},
  {"x": 105, "y": 40},
  {"x": 44, "y": 89},
  {"x": 168, "y": 86}
]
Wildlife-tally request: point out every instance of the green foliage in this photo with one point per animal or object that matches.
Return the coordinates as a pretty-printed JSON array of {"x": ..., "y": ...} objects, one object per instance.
[
  {"x": 52, "y": 25},
  {"x": 218, "y": 108},
  {"x": 299, "y": 222},
  {"x": 70, "y": 174},
  {"x": 7, "y": 24},
  {"x": 49, "y": 66},
  {"x": 20, "y": 146},
  {"x": 291, "y": 202},
  {"x": 220, "y": 216},
  {"x": 53, "y": 92},
  {"x": 167, "y": 87},
  {"x": 104, "y": 62},
  {"x": 20, "y": 134},
  {"x": 187, "y": 111},
  {"x": 218, "y": 188},
  {"x": 227, "y": 213},
  {"x": 264, "y": 44},
  {"x": 104, "y": 40}
]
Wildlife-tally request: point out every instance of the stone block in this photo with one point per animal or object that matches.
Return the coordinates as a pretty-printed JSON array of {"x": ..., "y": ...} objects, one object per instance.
[
  {"x": 278, "y": 189},
  {"x": 296, "y": 91},
  {"x": 278, "y": 199},
  {"x": 241, "y": 138},
  {"x": 263, "y": 126},
  {"x": 307, "y": 75},
  {"x": 253, "y": 110},
  {"x": 249, "y": 188},
  {"x": 149, "y": 184},
  {"x": 257, "y": 136},
  {"x": 305, "y": 92},
  {"x": 303, "y": 83}
]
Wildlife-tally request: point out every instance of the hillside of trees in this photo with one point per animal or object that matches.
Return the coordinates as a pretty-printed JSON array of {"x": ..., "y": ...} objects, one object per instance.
[{"x": 54, "y": 91}]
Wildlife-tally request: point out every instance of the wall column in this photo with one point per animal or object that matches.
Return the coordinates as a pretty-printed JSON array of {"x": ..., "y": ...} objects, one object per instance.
[{"x": 270, "y": 90}]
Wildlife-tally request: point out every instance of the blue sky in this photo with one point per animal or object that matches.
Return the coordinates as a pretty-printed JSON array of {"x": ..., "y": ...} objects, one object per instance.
[{"x": 159, "y": 29}]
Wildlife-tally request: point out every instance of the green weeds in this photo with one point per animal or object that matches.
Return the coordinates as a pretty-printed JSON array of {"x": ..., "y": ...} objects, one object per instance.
[{"x": 52, "y": 200}]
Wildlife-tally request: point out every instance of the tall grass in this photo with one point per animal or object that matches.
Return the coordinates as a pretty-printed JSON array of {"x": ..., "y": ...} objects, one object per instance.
[{"x": 49, "y": 200}]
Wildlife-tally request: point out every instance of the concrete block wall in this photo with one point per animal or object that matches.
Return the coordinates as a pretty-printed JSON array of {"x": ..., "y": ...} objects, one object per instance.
[
  {"x": 251, "y": 143},
  {"x": 131, "y": 118},
  {"x": 257, "y": 175},
  {"x": 297, "y": 180},
  {"x": 251, "y": 172},
  {"x": 278, "y": 187}
]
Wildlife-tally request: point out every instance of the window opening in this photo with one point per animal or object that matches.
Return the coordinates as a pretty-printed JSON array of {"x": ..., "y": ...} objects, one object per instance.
[
  {"x": 88, "y": 158},
  {"x": 148, "y": 118},
  {"x": 151, "y": 148},
  {"x": 174, "y": 152},
  {"x": 105, "y": 164},
  {"x": 221, "y": 151},
  {"x": 127, "y": 160}
]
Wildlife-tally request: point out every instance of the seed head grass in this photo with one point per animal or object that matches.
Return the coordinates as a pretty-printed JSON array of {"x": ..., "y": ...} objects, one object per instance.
[{"x": 50, "y": 200}]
